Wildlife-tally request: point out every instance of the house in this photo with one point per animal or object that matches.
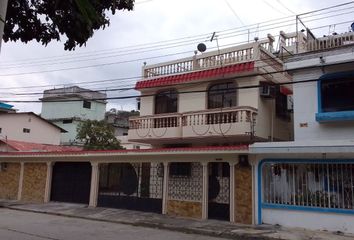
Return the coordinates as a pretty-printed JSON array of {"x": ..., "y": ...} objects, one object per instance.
[
  {"x": 28, "y": 127},
  {"x": 67, "y": 107},
  {"x": 8, "y": 145},
  {"x": 308, "y": 182},
  {"x": 199, "y": 114}
]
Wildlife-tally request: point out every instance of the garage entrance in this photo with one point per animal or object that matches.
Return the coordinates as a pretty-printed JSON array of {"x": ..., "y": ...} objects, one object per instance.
[{"x": 71, "y": 182}]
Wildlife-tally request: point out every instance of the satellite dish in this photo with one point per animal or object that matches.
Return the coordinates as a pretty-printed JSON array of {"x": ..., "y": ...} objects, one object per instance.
[{"x": 201, "y": 47}]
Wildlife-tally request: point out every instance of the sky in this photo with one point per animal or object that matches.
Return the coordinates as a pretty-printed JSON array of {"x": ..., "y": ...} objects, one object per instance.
[{"x": 155, "y": 31}]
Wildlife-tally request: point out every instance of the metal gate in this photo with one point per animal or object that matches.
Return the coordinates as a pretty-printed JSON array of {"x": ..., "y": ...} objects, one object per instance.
[
  {"x": 219, "y": 191},
  {"x": 133, "y": 186},
  {"x": 71, "y": 182}
]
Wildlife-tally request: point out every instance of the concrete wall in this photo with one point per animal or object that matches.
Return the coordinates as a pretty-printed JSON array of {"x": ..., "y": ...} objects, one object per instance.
[
  {"x": 184, "y": 209},
  {"x": 309, "y": 220},
  {"x": 243, "y": 195},
  {"x": 34, "y": 179},
  {"x": 9, "y": 181},
  {"x": 54, "y": 110},
  {"x": 71, "y": 128},
  {"x": 306, "y": 105},
  {"x": 40, "y": 131}
]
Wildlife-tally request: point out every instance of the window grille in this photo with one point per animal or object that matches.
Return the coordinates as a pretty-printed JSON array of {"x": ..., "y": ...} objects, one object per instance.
[{"x": 321, "y": 185}]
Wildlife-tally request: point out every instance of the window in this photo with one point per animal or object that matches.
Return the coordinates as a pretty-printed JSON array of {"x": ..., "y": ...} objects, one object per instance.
[
  {"x": 0, "y": 130},
  {"x": 26, "y": 130},
  {"x": 67, "y": 121},
  {"x": 86, "y": 104},
  {"x": 222, "y": 95},
  {"x": 180, "y": 169},
  {"x": 315, "y": 185},
  {"x": 166, "y": 102},
  {"x": 335, "y": 97},
  {"x": 281, "y": 105}
]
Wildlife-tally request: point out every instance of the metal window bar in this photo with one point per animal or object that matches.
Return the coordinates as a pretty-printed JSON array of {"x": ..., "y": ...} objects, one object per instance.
[{"x": 311, "y": 185}]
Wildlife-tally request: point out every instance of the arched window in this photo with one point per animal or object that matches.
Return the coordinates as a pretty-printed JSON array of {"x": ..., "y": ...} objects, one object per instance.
[
  {"x": 222, "y": 95},
  {"x": 166, "y": 102}
]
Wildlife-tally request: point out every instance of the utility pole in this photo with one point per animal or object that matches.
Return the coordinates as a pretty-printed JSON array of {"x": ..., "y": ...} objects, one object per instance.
[{"x": 3, "y": 9}]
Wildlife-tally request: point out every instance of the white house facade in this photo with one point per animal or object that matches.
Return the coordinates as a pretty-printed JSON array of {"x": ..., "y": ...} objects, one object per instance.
[{"x": 308, "y": 183}]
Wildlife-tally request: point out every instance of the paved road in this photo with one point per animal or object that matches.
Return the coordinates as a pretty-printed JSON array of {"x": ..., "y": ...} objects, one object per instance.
[{"x": 19, "y": 225}]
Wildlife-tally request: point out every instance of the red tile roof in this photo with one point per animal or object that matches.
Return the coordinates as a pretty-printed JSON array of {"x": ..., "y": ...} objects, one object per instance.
[
  {"x": 37, "y": 147},
  {"x": 194, "y": 76},
  {"x": 152, "y": 150}
]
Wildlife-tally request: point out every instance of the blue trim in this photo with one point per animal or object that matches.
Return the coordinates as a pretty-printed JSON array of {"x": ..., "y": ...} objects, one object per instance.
[
  {"x": 290, "y": 207},
  {"x": 308, "y": 209},
  {"x": 334, "y": 116},
  {"x": 5, "y": 105}
]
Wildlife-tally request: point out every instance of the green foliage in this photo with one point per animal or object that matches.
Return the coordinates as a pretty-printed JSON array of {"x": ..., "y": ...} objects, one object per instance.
[
  {"x": 49, "y": 20},
  {"x": 97, "y": 135}
]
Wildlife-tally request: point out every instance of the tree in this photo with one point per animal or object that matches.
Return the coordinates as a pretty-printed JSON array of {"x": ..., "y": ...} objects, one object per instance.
[
  {"x": 97, "y": 135},
  {"x": 47, "y": 20}
]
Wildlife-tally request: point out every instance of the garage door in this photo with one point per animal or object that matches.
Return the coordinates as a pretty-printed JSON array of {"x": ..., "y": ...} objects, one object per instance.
[{"x": 71, "y": 182}]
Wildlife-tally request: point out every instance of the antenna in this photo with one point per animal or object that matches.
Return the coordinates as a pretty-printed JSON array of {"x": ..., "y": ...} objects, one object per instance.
[{"x": 212, "y": 37}]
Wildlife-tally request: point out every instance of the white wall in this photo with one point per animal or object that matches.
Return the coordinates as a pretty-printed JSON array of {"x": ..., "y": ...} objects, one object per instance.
[
  {"x": 309, "y": 220},
  {"x": 306, "y": 107},
  {"x": 40, "y": 131}
]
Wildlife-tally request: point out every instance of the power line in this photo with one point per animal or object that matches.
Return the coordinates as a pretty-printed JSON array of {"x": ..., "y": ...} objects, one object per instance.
[
  {"x": 202, "y": 36},
  {"x": 194, "y": 91}
]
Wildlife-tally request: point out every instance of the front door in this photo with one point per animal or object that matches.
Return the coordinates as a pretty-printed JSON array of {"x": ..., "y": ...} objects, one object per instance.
[{"x": 219, "y": 191}]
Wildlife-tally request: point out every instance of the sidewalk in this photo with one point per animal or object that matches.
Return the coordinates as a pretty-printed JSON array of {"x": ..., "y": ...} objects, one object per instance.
[{"x": 209, "y": 227}]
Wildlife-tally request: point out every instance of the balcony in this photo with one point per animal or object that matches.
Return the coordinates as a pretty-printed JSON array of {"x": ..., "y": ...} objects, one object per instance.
[
  {"x": 329, "y": 42},
  {"x": 226, "y": 122},
  {"x": 214, "y": 59}
]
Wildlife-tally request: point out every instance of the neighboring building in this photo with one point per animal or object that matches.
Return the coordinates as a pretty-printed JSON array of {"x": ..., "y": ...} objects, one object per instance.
[
  {"x": 29, "y": 127},
  {"x": 120, "y": 121},
  {"x": 20, "y": 146},
  {"x": 309, "y": 183},
  {"x": 67, "y": 107},
  {"x": 125, "y": 143}
]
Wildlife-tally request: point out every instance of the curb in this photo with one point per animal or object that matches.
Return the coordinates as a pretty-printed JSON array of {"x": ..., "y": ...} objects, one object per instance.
[{"x": 220, "y": 234}]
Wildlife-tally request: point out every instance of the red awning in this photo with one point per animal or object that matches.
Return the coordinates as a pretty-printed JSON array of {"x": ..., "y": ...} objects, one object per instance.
[{"x": 194, "y": 76}]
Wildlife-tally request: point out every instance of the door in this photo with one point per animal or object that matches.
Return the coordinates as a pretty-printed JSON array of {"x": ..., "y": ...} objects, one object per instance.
[
  {"x": 219, "y": 191},
  {"x": 71, "y": 182}
]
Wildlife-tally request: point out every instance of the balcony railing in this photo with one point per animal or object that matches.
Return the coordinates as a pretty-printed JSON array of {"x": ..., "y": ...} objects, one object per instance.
[
  {"x": 226, "y": 121},
  {"x": 243, "y": 53},
  {"x": 330, "y": 41}
]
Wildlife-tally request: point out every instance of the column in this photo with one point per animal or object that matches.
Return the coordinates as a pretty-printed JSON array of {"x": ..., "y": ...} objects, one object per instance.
[
  {"x": 48, "y": 182},
  {"x": 20, "y": 182},
  {"x": 205, "y": 191},
  {"x": 94, "y": 184},
  {"x": 166, "y": 173},
  {"x": 232, "y": 191}
]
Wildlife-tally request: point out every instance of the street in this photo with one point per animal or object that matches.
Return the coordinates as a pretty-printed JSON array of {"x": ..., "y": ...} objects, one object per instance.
[{"x": 20, "y": 225}]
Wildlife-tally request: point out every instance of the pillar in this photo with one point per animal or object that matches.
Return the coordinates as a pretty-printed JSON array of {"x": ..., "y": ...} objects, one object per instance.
[
  {"x": 205, "y": 191},
  {"x": 232, "y": 191},
  {"x": 48, "y": 182},
  {"x": 20, "y": 181},
  {"x": 166, "y": 173},
  {"x": 94, "y": 184}
]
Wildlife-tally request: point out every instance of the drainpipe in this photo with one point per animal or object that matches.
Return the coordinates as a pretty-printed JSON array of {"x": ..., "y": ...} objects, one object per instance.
[{"x": 3, "y": 9}]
